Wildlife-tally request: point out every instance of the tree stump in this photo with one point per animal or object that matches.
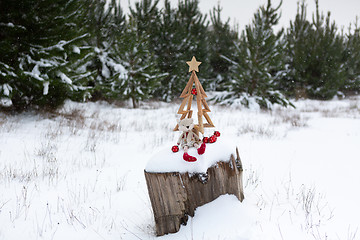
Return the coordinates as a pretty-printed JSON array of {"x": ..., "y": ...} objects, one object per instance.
[{"x": 175, "y": 196}]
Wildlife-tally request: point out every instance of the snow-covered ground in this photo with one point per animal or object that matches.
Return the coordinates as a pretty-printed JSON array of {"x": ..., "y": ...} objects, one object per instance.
[{"x": 78, "y": 173}]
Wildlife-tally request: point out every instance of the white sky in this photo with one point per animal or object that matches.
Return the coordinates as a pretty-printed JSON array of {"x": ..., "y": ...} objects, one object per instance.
[{"x": 343, "y": 12}]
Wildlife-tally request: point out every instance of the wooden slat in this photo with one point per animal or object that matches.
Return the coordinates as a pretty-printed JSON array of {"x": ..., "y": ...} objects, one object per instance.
[
  {"x": 207, "y": 125},
  {"x": 201, "y": 125},
  {"x": 190, "y": 102},
  {"x": 206, "y": 106},
  {"x": 190, "y": 113},
  {"x": 208, "y": 119},
  {"x": 198, "y": 97},
  {"x": 201, "y": 89},
  {"x": 181, "y": 108},
  {"x": 187, "y": 90}
]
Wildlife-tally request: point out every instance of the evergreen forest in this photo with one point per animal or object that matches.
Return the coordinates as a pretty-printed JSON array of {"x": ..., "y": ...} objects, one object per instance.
[{"x": 89, "y": 50}]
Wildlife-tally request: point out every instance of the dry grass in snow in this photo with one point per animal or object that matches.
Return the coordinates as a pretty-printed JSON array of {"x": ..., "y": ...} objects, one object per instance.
[{"x": 77, "y": 173}]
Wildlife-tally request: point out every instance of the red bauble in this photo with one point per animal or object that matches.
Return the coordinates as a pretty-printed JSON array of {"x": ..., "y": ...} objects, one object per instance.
[
  {"x": 205, "y": 139},
  {"x": 217, "y": 133},
  {"x": 193, "y": 91},
  {"x": 175, "y": 149}
]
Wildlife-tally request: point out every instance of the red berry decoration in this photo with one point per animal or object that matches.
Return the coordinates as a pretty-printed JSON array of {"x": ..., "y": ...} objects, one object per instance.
[
  {"x": 217, "y": 134},
  {"x": 175, "y": 149},
  {"x": 193, "y": 91},
  {"x": 212, "y": 139},
  {"x": 189, "y": 158},
  {"x": 205, "y": 139}
]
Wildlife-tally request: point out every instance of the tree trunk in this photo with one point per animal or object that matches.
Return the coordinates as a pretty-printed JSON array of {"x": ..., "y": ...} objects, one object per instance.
[{"x": 175, "y": 196}]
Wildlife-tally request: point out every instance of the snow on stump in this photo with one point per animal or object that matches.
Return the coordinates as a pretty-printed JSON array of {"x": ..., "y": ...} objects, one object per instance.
[{"x": 176, "y": 188}]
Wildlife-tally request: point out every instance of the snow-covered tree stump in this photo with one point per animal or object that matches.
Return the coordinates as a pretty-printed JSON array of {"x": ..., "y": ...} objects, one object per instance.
[{"x": 175, "y": 195}]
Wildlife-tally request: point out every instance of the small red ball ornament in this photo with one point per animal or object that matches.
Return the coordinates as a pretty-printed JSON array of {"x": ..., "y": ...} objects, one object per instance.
[
  {"x": 193, "y": 91},
  {"x": 175, "y": 149},
  {"x": 205, "y": 139},
  {"x": 217, "y": 134}
]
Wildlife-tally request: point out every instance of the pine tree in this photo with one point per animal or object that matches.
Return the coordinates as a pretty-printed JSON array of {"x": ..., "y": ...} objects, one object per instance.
[
  {"x": 352, "y": 65},
  {"x": 140, "y": 77},
  {"x": 169, "y": 51},
  {"x": 325, "y": 75},
  {"x": 316, "y": 56},
  {"x": 106, "y": 23},
  {"x": 221, "y": 41},
  {"x": 146, "y": 16},
  {"x": 40, "y": 40},
  {"x": 181, "y": 33},
  {"x": 293, "y": 83},
  {"x": 258, "y": 64}
]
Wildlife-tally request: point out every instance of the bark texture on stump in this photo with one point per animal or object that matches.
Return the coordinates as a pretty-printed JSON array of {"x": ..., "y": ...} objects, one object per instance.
[{"x": 175, "y": 196}]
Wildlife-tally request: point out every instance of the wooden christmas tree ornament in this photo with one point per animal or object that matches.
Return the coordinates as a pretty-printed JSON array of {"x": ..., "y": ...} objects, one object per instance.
[
  {"x": 203, "y": 107},
  {"x": 176, "y": 193}
]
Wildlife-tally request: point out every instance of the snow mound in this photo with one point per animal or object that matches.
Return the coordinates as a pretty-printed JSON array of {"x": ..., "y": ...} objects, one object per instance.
[
  {"x": 224, "y": 218},
  {"x": 167, "y": 161}
]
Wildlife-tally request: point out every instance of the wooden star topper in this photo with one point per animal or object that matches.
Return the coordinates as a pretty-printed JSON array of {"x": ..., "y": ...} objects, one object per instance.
[{"x": 193, "y": 65}]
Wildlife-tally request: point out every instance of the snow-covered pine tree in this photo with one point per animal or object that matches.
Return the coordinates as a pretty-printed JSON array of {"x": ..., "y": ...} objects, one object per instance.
[
  {"x": 146, "y": 16},
  {"x": 221, "y": 39},
  {"x": 106, "y": 23},
  {"x": 168, "y": 51},
  {"x": 258, "y": 63},
  {"x": 180, "y": 34},
  {"x": 141, "y": 77},
  {"x": 40, "y": 40}
]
